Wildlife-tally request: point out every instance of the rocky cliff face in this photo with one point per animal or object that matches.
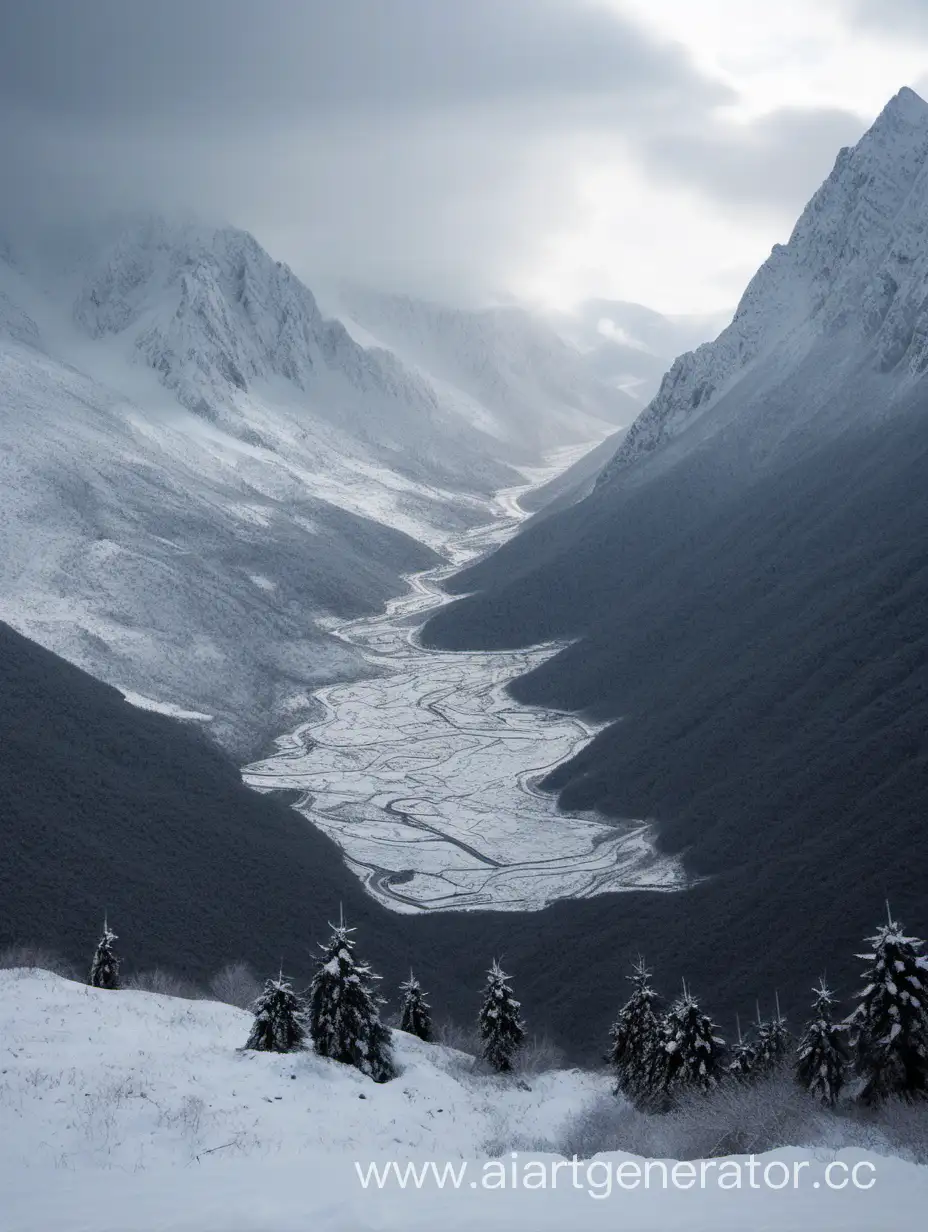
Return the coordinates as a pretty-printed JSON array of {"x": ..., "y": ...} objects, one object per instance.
[
  {"x": 855, "y": 266},
  {"x": 212, "y": 313}
]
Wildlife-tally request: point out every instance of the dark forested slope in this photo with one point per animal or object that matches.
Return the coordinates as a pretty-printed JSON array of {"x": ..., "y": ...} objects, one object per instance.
[
  {"x": 763, "y": 643},
  {"x": 104, "y": 807}
]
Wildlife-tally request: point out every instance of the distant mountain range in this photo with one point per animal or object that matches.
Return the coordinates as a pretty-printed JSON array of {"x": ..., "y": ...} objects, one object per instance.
[{"x": 632, "y": 346}]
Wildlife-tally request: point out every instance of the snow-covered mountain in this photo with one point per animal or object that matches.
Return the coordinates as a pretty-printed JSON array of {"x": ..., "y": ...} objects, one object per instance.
[
  {"x": 849, "y": 288},
  {"x": 218, "y": 319},
  {"x": 509, "y": 368},
  {"x": 201, "y": 472},
  {"x": 743, "y": 595}
]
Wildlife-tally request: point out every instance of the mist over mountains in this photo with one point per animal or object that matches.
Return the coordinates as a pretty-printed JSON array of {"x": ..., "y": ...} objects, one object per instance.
[{"x": 202, "y": 471}]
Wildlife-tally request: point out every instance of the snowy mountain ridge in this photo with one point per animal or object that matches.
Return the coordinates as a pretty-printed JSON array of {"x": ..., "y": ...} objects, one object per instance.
[
  {"x": 520, "y": 376},
  {"x": 238, "y": 316},
  {"x": 856, "y": 264},
  {"x": 201, "y": 471}
]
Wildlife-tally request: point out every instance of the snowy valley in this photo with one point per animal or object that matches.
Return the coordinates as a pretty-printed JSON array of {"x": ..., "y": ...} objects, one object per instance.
[
  {"x": 425, "y": 772},
  {"x": 201, "y": 472},
  {"x": 486, "y": 729}
]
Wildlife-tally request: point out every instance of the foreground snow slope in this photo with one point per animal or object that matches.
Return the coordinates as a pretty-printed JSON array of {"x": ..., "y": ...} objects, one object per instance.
[{"x": 130, "y": 1111}]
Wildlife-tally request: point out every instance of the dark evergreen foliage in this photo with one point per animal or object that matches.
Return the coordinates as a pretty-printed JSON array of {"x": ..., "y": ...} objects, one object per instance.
[
  {"x": 889, "y": 1027},
  {"x": 743, "y": 1063},
  {"x": 280, "y": 1019},
  {"x": 344, "y": 1017},
  {"x": 773, "y": 1042},
  {"x": 104, "y": 969},
  {"x": 501, "y": 1027},
  {"x": 822, "y": 1055},
  {"x": 636, "y": 1036},
  {"x": 415, "y": 1012},
  {"x": 691, "y": 1051}
]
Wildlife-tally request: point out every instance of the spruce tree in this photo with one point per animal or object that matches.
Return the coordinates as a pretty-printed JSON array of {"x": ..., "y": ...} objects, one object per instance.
[
  {"x": 344, "y": 1017},
  {"x": 743, "y": 1063},
  {"x": 104, "y": 969},
  {"x": 691, "y": 1050},
  {"x": 636, "y": 1035},
  {"x": 889, "y": 1027},
  {"x": 501, "y": 1028},
  {"x": 280, "y": 1019},
  {"x": 415, "y": 1012},
  {"x": 773, "y": 1043},
  {"x": 822, "y": 1055}
]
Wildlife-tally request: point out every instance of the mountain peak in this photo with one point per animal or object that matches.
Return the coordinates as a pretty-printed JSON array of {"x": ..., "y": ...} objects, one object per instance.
[
  {"x": 907, "y": 105},
  {"x": 856, "y": 263}
]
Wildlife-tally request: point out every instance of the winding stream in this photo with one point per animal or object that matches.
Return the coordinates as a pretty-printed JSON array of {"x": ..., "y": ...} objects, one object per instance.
[{"x": 425, "y": 773}]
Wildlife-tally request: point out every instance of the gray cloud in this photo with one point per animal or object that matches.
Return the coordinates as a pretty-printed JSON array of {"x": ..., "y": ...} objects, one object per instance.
[
  {"x": 890, "y": 16},
  {"x": 227, "y": 60},
  {"x": 429, "y": 144},
  {"x": 420, "y": 141},
  {"x": 775, "y": 163},
  {"x": 119, "y": 62}
]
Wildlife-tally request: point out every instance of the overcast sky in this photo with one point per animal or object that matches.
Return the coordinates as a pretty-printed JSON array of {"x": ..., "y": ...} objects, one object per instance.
[{"x": 553, "y": 150}]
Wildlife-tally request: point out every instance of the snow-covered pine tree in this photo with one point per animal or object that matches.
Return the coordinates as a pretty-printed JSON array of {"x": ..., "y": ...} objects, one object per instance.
[
  {"x": 692, "y": 1051},
  {"x": 344, "y": 1010},
  {"x": 889, "y": 1027},
  {"x": 636, "y": 1034},
  {"x": 104, "y": 969},
  {"x": 774, "y": 1042},
  {"x": 501, "y": 1027},
  {"x": 415, "y": 1012},
  {"x": 743, "y": 1063},
  {"x": 822, "y": 1055},
  {"x": 280, "y": 1019}
]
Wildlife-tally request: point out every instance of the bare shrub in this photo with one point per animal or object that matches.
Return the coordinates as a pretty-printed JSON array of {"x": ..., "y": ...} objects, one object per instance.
[
  {"x": 743, "y": 1118},
  {"x": 539, "y": 1055},
  {"x": 611, "y": 1123},
  {"x": 735, "y": 1119},
  {"x": 898, "y": 1125},
  {"x": 164, "y": 982},
  {"x": 36, "y": 957},
  {"x": 452, "y": 1034},
  {"x": 236, "y": 984}
]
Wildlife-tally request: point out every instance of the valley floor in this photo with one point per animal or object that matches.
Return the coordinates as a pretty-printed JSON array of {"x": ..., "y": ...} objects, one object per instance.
[
  {"x": 425, "y": 773},
  {"x": 130, "y": 1112}
]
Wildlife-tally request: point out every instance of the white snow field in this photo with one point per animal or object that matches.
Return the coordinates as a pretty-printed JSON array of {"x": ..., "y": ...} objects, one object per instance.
[
  {"x": 134, "y": 1112},
  {"x": 424, "y": 772}
]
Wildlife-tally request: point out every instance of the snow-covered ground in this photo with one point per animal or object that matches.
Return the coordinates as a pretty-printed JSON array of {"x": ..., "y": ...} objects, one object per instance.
[
  {"x": 424, "y": 773},
  {"x": 131, "y": 1112}
]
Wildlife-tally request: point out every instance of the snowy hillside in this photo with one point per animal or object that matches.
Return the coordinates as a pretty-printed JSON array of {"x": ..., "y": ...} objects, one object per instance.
[
  {"x": 509, "y": 369},
  {"x": 850, "y": 284},
  {"x": 131, "y": 1110},
  {"x": 200, "y": 472},
  {"x": 217, "y": 318}
]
